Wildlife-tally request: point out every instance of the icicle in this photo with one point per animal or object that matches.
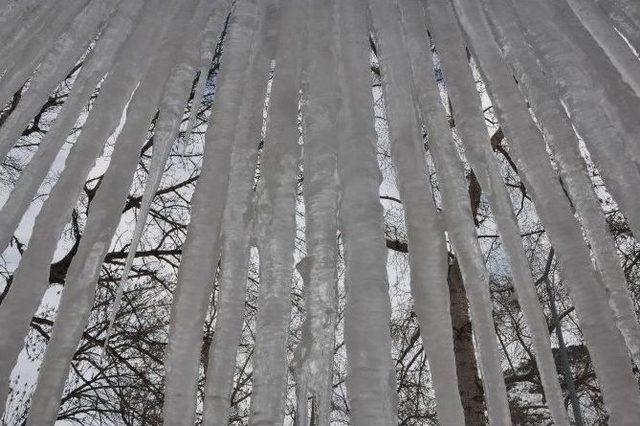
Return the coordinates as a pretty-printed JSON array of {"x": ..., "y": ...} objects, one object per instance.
[
  {"x": 472, "y": 130},
  {"x": 238, "y": 224},
  {"x": 104, "y": 217},
  {"x": 275, "y": 220},
  {"x": 614, "y": 46},
  {"x": 201, "y": 249},
  {"x": 313, "y": 362},
  {"x": 607, "y": 350},
  {"x": 99, "y": 61},
  {"x": 428, "y": 253},
  {"x": 371, "y": 382},
  {"x": 166, "y": 132},
  {"x": 576, "y": 89},
  {"x": 30, "y": 279},
  {"x": 559, "y": 134},
  {"x": 54, "y": 67}
]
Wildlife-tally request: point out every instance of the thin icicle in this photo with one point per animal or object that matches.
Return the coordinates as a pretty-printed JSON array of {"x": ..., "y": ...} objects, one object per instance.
[
  {"x": 427, "y": 248},
  {"x": 559, "y": 134},
  {"x": 99, "y": 61},
  {"x": 166, "y": 132},
  {"x": 30, "y": 278},
  {"x": 371, "y": 381},
  {"x": 608, "y": 352},
  {"x": 314, "y": 355},
  {"x": 201, "y": 249},
  {"x": 238, "y": 223},
  {"x": 470, "y": 125},
  {"x": 275, "y": 220},
  {"x": 55, "y": 66}
]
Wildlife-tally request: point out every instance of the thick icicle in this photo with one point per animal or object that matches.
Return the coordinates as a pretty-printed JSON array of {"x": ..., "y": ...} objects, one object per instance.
[
  {"x": 82, "y": 277},
  {"x": 575, "y": 88},
  {"x": 371, "y": 381},
  {"x": 314, "y": 355},
  {"x": 472, "y": 130},
  {"x": 600, "y": 28},
  {"x": 275, "y": 220},
  {"x": 166, "y": 132},
  {"x": 55, "y": 66},
  {"x": 99, "y": 61},
  {"x": 607, "y": 350},
  {"x": 559, "y": 134},
  {"x": 427, "y": 248},
  {"x": 30, "y": 279},
  {"x": 238, "y": 223},
  {"x": 201, "y": 249}
]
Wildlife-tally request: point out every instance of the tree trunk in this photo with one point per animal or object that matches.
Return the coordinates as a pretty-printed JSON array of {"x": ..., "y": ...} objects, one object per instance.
[{"x": 469, "y": 383}]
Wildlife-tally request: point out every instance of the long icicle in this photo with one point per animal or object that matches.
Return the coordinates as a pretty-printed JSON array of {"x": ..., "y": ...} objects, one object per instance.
[
  {"x": 54, "y": 67},
  {"x": 314, "y": 355},
  {"x": 275, "y": 220},
  {"x": 371, "y": 383},
  {"x": 608, "y": 352},
  {"x": 99, "y": 62},
  {"x": 238, "y": 221},
  {"x": 30, "y": 278},
  {"x": 559, "y": 134},
  {"x": 201, "y": 249},
  {"x": 427, "y": 247},
  {"x": 472, "y": 130},
  {"x": 166, "y": 131}
]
